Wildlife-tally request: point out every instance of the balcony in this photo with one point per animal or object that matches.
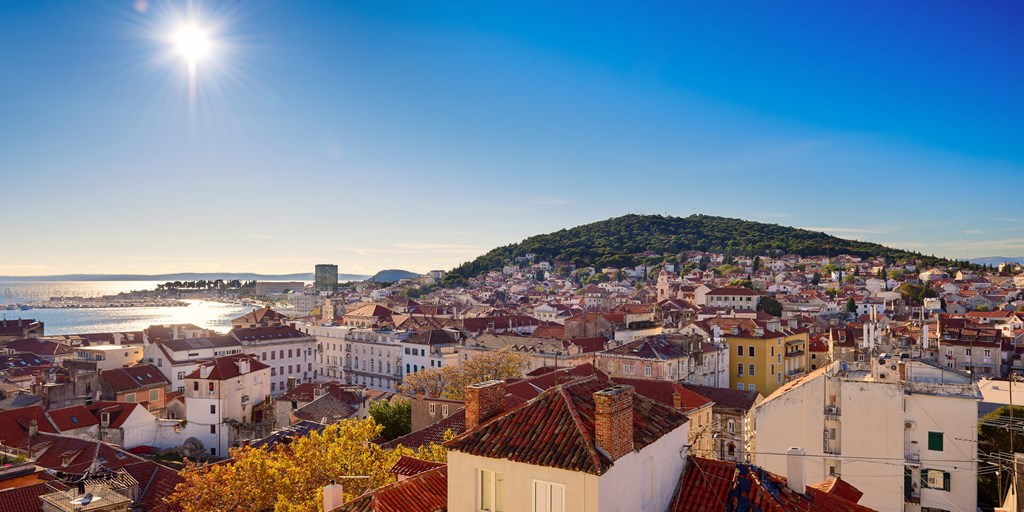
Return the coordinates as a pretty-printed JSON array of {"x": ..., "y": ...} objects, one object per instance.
[
  {"x": 912, "y": 497},
  {"x": 830, "y": 448},
  {"x": 912, "y": 457}
]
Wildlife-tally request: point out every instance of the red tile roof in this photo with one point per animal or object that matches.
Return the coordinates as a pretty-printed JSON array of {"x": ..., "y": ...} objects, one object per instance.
[
  {"x": 226, "y": 367},
  {"x": 425, "y": 492},
  {"x": 70, "y": 418},
  {"x": 409, "y": 466},
  {"x": 664, "y": 391},
  {"x": 556, "y": 429},
  {"x": 24, "y": 499},
  {"x": 39, "y": 347},
  {"x": 718, "y": 486},
  {"x": 14, "y": 424},
  {"x": 118, "y": 411},
  {"x": 143, "y": 376}
]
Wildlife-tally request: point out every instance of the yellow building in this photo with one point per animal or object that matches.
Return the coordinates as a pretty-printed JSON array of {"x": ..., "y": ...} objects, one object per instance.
[{"x": 763, "y": 354}]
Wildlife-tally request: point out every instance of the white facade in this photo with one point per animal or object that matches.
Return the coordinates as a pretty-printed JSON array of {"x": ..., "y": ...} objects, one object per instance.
[
  {"x": 177, "y": 358},
  {"x": 110, "y": 357},
  {"x": 879, "y": 432},
  {"x": 368, "y": 357},
  {"x": 287, "y": 357},
  {"x": 643, "y": 481},
  {"x": 212, "y": 401}
]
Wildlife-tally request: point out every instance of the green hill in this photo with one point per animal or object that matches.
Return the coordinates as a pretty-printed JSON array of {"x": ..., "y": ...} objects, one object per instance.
[
  {"x": 392, "y": 275},
  {"x": 619, "y": 241}
]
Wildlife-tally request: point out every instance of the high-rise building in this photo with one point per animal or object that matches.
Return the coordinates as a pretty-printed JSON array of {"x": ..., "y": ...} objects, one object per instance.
[{"x": 325, "y": 278}]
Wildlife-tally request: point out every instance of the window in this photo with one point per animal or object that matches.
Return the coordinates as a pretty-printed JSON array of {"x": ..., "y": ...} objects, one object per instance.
[
  {"x": 750, "y": 351},
  {"x": 739, "y": 369},
  {"x": 209, "y": 385},
  {"x": 548, "y": 497},
  {"x": 988, "y": 352},
  {"x": 934, "y": 479},
  {"x": 750, "y": 370},
  {"x": 949, "y": 351},
  {"x": 967, "y": 352},
  {"x": 489, "y": 491},
  {"x": 195, "y": 386},
  {"x": 273, "y": 355},
  {"x": 778, "y": 378},
  {"x": 433, "y": 409},
  {"x": 130, "y": 398},
  {"x": 407, "y": 368},
  {"x": 751, "y": 387},
  {"x": 935, "y": 441},
  {"x": 213, "y": 430},
  {"x": 779, "y": 359},
  {"x": 444, "y": 410},
  {"x": 213, "y": 409},
  {"x": 731, "y": 426},
  {"x": 154, "y": 395},
  {"x": 739, "y": 350},
  {"x": 406, "y": 350},
  {"x": 773, "y": 351},
  {"x": 647, "y": 370},
  {"x": 740, "y": 387}
]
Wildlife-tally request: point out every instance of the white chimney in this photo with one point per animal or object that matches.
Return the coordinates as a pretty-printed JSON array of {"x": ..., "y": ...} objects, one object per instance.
[
  {"x": 924, "y": 336},
  {"x": 795, "y": 470},
  {"x": 334, "y": 496},
  {"x": 867, "y": 337}
]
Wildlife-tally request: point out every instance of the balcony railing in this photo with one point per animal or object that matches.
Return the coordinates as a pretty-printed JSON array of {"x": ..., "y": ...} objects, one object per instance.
[{"x": 912, "y": 457}]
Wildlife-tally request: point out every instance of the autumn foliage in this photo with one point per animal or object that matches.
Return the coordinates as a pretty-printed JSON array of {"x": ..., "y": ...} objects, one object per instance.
[
  {"x": 292, "y": 476},
  {"x": 450, "y": 381}
]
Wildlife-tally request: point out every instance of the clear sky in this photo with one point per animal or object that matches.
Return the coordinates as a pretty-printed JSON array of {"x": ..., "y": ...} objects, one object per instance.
[{"x": 419, "y": 134}]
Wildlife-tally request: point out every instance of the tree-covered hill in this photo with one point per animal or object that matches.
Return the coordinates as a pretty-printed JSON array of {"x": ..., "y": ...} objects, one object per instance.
[{"x": 620, "y": 241}]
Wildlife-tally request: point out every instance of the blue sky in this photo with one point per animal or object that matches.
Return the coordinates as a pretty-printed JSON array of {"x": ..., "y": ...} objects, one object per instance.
[{"x": 418, "y": 135}]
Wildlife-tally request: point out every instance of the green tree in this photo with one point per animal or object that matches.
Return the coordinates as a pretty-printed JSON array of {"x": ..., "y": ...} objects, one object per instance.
[
  {"x": 982, "y": 307},
  {"x": 851, "y": 305},
  {"x": 757, "y": 263},
  {"x": 996, "y": 440},
  {"x": 815, "y": 279},
  {"x": 395, "y": 417},
  {"x": 771, "y": 306},
  {"x": 745, "y": 283}
]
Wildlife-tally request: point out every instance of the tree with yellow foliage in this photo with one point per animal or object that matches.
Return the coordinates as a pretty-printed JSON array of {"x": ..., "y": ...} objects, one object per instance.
[
  {"x": 450, "y": 381},
  {"x": 292, "y": 476}
]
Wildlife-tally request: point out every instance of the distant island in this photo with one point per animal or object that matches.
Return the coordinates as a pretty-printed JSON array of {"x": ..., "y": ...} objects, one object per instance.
[
  {"x": 995, "y": 260},
  {"x": 392, "y": 276}
]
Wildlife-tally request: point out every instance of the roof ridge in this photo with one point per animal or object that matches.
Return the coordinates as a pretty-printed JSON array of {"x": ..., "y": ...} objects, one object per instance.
[{"x": 590, "y": 443}]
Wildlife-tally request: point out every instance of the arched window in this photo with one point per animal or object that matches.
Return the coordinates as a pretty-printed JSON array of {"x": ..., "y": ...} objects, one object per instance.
[
  {"x": 407, "y": 368},
  {"x": 732, "y": 450},
  {"x": 415, "y": 368}
]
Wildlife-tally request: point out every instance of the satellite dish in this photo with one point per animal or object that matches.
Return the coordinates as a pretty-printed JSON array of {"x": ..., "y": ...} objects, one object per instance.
[{"x": 85, "y": 500}]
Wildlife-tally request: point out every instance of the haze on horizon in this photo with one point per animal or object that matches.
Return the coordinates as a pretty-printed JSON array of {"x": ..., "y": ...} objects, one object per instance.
[{"x": 419, "y": 135}]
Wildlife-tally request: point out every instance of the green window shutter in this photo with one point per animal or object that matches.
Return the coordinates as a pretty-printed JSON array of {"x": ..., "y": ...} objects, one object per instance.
[
  {"x": 935, "y": 441},
  {"x": 924, "y": 478},
  {"x": 945, "y": 481}
]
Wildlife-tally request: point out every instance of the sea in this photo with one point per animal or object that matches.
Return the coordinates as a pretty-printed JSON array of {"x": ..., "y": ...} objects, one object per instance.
[{"x": 207, "y": 314}]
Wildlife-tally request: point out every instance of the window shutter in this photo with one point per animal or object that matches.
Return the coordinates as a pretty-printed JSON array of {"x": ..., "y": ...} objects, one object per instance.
[
  {"x": 945, "y": 481},
  {"x": 558, "y": 498},
  {"x": 540, "y": 497}
]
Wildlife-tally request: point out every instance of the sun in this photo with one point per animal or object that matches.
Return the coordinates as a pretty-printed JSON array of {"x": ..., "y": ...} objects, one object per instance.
[{"x": 191, "y": 42}]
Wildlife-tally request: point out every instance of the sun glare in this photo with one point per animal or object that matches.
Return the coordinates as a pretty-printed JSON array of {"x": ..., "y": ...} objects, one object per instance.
[{"x": 191, "y": 42}]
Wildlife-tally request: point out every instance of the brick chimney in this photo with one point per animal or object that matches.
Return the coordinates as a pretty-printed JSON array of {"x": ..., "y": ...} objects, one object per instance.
[
  {"x": 483, "y": 400},
  {"x": 677, "y": 400},
  {"x": 613, "y": 420}
]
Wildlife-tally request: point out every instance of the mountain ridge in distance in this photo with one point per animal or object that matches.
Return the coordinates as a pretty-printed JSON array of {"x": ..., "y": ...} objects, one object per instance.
[
  {"x": 182, "y": 276},
  {"x": 996, "y": 260},
  {"x": 622, "y": 241}
]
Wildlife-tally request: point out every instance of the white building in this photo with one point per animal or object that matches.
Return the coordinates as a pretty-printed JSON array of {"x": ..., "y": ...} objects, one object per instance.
[
  {"x": 904, "y": 432},
  {"x": 595, "y": 463},
  {"x": 363, "y": 356},
  {"x": 219, "y": 399},
  {"x": 287, "y": 351},
  {"x": 180, "y": 357},
  {"x": 109, "y": 357}
]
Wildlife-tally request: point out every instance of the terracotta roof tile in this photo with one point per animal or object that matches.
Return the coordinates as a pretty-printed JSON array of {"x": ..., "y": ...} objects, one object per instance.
[
  {"x": 556, "y": 429},
  {"x": 425, "y": 492}
]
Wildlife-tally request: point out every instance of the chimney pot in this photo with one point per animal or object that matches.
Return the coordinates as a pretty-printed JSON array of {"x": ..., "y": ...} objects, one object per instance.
[
  {"x": 334, "y": 496},
  {"x": 613, "y": 420},
  {"x": 795, "y": 470},
  {"x": 483, "y": 401}
]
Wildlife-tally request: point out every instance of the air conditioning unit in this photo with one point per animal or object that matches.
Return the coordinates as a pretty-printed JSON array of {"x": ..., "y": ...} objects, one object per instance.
[
  {"x": 893, "y": 367},
  {"x": 935, "y": 479},
  {"x": 882, "y": 376},
  {"x": 909, "y": 425},
  {"x": 831, "y": 410}
]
